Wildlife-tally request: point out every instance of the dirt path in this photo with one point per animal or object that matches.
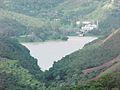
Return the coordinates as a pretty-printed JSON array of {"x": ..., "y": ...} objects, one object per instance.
[{"x": 108, "y": 64}]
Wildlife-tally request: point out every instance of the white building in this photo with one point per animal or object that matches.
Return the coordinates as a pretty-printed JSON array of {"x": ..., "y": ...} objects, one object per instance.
[
  {"x": 78, "y": 22},
  {"x": 88, "y": 26}
]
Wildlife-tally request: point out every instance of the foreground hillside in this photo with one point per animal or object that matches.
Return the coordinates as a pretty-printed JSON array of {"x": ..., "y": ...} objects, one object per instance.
[
  {"x": 88, "y": 63},
  {"x": 107, "y": 82},
  {"x": 18, "y": 70}
]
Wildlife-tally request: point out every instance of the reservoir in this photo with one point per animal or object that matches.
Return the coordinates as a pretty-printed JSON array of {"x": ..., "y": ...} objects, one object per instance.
[{"x": 50, "y": 51}]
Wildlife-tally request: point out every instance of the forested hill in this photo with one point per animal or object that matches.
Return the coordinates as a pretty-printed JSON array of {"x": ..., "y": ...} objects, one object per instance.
[
  {"x": 95, "y": 67},
  {"x": 18, "y": 70},
  {"x": 15, "y": 16},
  {"x": 41, "y": 20},
  {"x": 86, "y": 64}
]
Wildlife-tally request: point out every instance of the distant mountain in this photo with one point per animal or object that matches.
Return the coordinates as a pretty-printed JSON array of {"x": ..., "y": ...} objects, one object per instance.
[
  {"x": 15, "y": 16},
  {"x": 56, "y": 18}
]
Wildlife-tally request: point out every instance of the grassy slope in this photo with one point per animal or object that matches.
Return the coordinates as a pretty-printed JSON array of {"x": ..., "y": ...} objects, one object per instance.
[{"x": 21, "y": 18}]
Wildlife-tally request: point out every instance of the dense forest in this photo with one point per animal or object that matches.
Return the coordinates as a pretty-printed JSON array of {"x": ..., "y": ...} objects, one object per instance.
[{"x": 95, "y": 67}]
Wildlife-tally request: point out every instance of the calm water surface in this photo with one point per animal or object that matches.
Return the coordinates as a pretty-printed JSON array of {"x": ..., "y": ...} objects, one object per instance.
[{"x": 48, "y": 52}]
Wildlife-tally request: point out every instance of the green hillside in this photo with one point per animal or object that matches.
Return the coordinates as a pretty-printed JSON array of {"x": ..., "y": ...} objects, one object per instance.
[
  {"x": 74, "y": 69},
  {"x": 14, "y": 77},
  {"x": 12, "y": 50},
  {"x": 28, "y": 28},
  {"x": 110, "y": 81},
  {"x": 21, "y": 18},
  {"x": 56, "y": 19},
  {"x": 95, "y": 67},
  {"x": 18, "y": 70}
]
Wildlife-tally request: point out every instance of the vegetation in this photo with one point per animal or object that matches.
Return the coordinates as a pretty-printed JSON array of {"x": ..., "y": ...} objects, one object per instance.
[
  {"x": 15, "y": 77},
  {"x": 28, "y": 29},
  {"x": 18, "y": 70},
  {"x": 70, "y": 70},
  {"x": 12, "y": 50},
  {"x": 110, "y": 81},
  {"x": 56, "y": 19},
  {"x": 41, "y": 20}
]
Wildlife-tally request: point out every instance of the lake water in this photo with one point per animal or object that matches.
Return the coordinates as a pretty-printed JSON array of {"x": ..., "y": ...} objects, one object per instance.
[{"x": 48, "y": 52}]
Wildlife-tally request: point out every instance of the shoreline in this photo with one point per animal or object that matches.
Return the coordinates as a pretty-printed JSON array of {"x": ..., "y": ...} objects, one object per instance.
[{"x": 52, "y": 51}]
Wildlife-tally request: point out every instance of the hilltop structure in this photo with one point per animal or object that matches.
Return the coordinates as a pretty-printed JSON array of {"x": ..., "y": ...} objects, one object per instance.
[{"x": 87, "y": 26}]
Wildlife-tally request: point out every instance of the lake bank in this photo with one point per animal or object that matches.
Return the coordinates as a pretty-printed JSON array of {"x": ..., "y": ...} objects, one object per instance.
[{"x": 50, "y": 51}]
